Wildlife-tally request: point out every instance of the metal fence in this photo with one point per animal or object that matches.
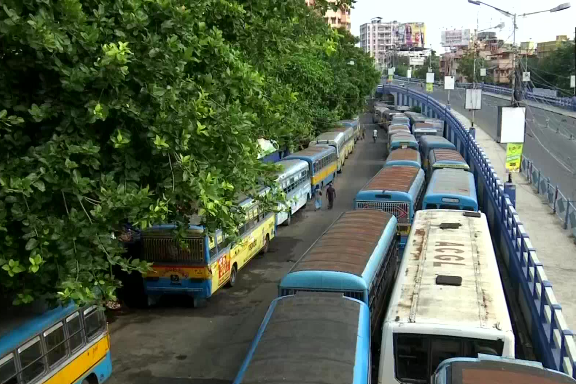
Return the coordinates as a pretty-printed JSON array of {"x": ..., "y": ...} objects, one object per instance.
[
  {"x": 563, "y": 207},
  {"x": 551, "y": 338}
]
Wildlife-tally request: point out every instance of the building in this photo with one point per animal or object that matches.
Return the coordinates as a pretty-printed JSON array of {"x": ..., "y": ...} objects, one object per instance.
[
  {"x": 336, "y": 19},
  {"x": 528, "y": 48},
  {"x": 546, "y": 47}
]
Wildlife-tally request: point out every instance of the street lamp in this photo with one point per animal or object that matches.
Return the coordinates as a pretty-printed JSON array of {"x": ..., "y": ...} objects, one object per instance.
[{"x": 558, "y": 8}]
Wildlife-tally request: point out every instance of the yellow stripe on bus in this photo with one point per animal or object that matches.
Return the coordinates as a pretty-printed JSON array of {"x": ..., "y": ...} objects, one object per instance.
[
  {"x": 80, "y": 365},
  {"x": 317, "y": 178}
]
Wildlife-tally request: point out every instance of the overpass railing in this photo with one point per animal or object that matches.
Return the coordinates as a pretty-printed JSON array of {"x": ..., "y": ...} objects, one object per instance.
[
  {"x": 562, "y": 102},
  {"x": 551, "y": 338}
]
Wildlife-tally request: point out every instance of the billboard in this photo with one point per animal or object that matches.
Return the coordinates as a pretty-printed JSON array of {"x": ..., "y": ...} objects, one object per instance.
[
  {"x": 411, "y": 35},
  {"x": 455, "y": 38}
]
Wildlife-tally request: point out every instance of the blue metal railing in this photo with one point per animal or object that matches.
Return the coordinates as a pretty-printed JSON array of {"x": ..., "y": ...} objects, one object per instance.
[
  {"x": 552, "y": 340},
  {"x": 562, "y": 102}
]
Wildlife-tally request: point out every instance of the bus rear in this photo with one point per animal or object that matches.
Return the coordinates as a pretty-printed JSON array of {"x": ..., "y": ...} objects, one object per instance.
[
  {"x": 441, "y": 158},
  {"x": 428, "y": 143},
  {"x": 451, "y": 189}
]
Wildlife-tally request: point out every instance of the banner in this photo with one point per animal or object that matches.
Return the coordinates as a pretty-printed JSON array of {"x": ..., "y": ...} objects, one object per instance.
[
  {"x": 513, "y": 156},
  {"x": 390, "y": 78},
  {"x": 429, "y": 87}
]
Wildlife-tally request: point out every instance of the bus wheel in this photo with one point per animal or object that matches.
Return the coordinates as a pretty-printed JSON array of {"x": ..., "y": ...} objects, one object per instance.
[
  {"x": 233, "y": 275},
  {"x": 266, "y": 244}
]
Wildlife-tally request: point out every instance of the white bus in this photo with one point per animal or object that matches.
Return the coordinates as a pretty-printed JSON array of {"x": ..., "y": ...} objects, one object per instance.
[
  {"x": 336, "y": 140},
  {"x": 447, "y": 301},
  {"x": 294, "y": 179}
]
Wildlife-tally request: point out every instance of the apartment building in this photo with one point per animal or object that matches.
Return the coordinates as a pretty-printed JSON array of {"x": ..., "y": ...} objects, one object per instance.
[{"x": 336, "y": 19}]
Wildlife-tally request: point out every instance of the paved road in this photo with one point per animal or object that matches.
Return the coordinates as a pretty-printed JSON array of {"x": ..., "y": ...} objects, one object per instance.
[
  {"x": 175, "y": 343},
  {"x": 548, "y": 143}
]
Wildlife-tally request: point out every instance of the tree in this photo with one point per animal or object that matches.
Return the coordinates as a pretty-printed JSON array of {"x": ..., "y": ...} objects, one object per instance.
[
  {"x": 466, "y": 66},
  {"x": 146, "y": 112},
  {"x": 434, "y": 62},
  {"x": 554, "y": 70}
]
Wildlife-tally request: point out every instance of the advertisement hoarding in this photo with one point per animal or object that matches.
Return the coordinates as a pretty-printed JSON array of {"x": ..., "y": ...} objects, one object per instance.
[
  {"x": 411, "y": 35},
  {"x": 455, "y": 38}
]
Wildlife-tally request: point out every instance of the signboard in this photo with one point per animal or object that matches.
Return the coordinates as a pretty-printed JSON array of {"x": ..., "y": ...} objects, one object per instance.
[
  {"x": 430, "y": 78},
  {"x": 411, "y": 34},
  {"x": 455, "y": 38},
  {"x": 473, "y": 99},
  {"x": 525, "y": 76},
  {"x": 391, "y": 71},
  {"x": 572, "y": 81},
  {"x": 416, "y": 61},
  {"x": 390, "y": 78},
  {"x": 514, "y": 156},
  {"x": 409, "y": 73},
  {"x": 511, "y": 125},
  {"x": 448, "y": 82},
  {"x": 429, "y": 87},
  {"x": 483, "y": 72}
]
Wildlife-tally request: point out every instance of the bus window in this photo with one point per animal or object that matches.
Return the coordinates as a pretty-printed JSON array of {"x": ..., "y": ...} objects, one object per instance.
[
  {"x": 411, "y": 358},
  {"x": 55, "y": 344},
  {"x": 8, "y": 370},
  {"x": 442, "y": 349},
  {"x": 447, "y": 206},
  {"x": 92, "y": 321},
  {"x": 75, "y": 335},
  {"x": 431, "y": 206},
  {"x": 31, "y": 360}
]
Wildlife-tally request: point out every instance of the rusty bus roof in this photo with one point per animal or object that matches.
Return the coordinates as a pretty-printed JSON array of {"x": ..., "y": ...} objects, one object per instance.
[
  {"x": 446, "y": 154},
  {"x": 398, "y": 178},
  {"x": 404, "y": 154},
  {"x": 347, "y": 245},
  {"x": 423, "y": 125}
]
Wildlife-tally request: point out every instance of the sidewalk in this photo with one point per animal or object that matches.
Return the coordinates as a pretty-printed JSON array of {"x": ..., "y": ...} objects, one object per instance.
[
  {"x": 554, "y": 246},
  {"x": 534, "y": 104}
]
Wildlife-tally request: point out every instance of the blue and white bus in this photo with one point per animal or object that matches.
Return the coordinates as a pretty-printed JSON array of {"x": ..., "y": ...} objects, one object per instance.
[
  {"x": 496, "y": 369},
  {"x": 402, "y": 140},
  {"x": 294, "y": 179},
  {"x": 396, "y": 190},
  {"x": 322, "y": 162},
  {"x": 407, "y": 157},
  {"x": 357, "y": 256},
  {"x": 355, "y": 125},
  {"x": 451, "y": 189},
  {"x": 336, "y": 140},
  {"x": 312, "y": 338},
  {"x": 428, "y": 143},
  {"x": 441, "y": 158}
]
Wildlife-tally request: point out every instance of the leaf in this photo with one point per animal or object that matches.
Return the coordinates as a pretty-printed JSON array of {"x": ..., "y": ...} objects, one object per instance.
[
  {"x": 31, "y": 244},
  {"x": 40, "y": 185}
]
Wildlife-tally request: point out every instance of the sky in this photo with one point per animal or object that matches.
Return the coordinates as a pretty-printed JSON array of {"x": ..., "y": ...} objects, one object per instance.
[{"x": 459, "y": 14}]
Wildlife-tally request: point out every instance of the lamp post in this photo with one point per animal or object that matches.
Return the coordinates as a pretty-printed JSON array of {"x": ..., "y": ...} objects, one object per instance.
[{"x": 558, "y": 8}]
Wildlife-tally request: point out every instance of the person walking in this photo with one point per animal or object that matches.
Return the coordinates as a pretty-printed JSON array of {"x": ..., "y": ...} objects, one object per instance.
[
  {"x": 331, "y": 195},
  {"x": 375, "y": 135},
  {"x": 318, "y": 198},
  {"x": 363, "y": 133}
]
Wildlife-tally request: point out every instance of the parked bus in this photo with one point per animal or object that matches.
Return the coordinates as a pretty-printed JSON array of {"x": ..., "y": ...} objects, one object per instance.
[
  {"x": 447, "y": 301},
  {"x": 423, "y": 129},
  {"x": 313, "y": 338},
  {"x": 62, "y": 345},
  {"x": 445, "y": 158},
  {"x": 496, "y": 369},
  {"x": 349, "y": 138},
  {"x": 357, "y": 256},
  {"x": 402, "y": 140},
  {"x": 400, "y": 119},
  {"x": 209, "y": 261},
  {"x": 404, "y": 156},
  {"x": 336, "y": 140},
  {"x": 428, "y": 143},
  {"x": 294, "y": 179},
  {"x": 388, "y": 115},
  {"x": 396, "y": 190},
  {"x": 322, "y": 163},
  {"x": 355, "y": 125},
  {"x": 451, "y": 189},
  {"x": 415, "y": 117},
  {"x": 436, "y": 123}
]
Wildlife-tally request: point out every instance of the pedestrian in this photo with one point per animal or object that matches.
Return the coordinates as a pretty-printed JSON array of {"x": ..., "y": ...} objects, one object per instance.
[
  {"x": 375, "y": 135},
  {"x": 318, "y": 201},
  {"x": 331, "y": 195},
  {"x": 363, "y": 133}
]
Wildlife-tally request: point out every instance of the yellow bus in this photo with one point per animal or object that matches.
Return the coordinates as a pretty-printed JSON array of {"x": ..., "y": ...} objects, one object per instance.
[
  {"x": 209, "y": 261},
  {"x": 336, "y": 140},
  {"x": 349, "y": 137}
]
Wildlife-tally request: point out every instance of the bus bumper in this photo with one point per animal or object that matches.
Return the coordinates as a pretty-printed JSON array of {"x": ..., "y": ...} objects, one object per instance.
[{"x": 164, "y": 286}]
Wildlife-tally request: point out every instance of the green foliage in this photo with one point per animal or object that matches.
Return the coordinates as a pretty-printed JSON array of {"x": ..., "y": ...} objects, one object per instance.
[
  {"x": 554, "y": 69},
  {"x": 434, "y": 62},
  {"x": 466, "y": 68},
  {"x": 416, "y": 109},
  {"x": 142, "y": 112}
]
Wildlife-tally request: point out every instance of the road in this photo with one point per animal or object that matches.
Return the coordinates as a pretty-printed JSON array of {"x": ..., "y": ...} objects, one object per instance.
[
  {"x": 177, "y": 344},
  {"x": 548, "y": 141}
]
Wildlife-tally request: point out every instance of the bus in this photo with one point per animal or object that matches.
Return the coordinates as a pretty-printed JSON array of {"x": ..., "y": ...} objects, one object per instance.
[
  {"x": 422, "y": 129},
  {"x": 313, "y": 338},
  {"x": 404, "y": 156},
  {"x": 415, "y": 117},
  {"x": 447, "y": 301},
  {"x": 209, "y": 261},
  {"x": 355, "y": 125},
  {"x": 396, "y": 190},
  {"x": 495, "y": 369},
  {"x": 445, "y": 158},
  {"x": 400, "y": 119},
  {"x": 451, "y": 189},
  {"x": 357, "y": 256},
  {"x": 428, "y": 143},
  {"x": 436, "y": 123},
  {"x": 322, "y": 163},
  {"x": 336, "y": 140},
  {"x": 349, "y": 138},
  {"x": 66, "y": 344},
  {"x": 402, "y": 140},
  {"x": 294, "y": 179}
]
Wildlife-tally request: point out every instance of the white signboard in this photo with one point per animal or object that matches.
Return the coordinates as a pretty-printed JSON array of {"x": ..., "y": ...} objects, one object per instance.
[
  {"x": 416, "y": 61},
  {"x": 473, "y": 99},
  {"x": 511, "y": 124},
  {"x": 390, "y": 71},
  {"x": 526, "y": 76},
  {"x": 483, "y": 72},
  {"x": 430, "y": 78},
  {"x": 448, "y": 82},
  {"x": 455, "y": 38},
  {"x": 409, "y": 73},
  {"x": 572, "y": 81}
]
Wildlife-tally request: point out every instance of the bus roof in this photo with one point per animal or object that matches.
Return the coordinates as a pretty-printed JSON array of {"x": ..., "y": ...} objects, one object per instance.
[
  {"x": 404, "y": 154},
  {"x": 436, "y": 142},
  {"x": 398, "y": 127},
  {"x": 312, "y": 153},
  {"x": 419, "y": 298},
  {"x": 445, "y": 154},
  {"x": 324, "y": 338},
  {"x": 398, "y": 179},
  {"x": 290, "y": 166},
  {"x": 423, "y": 125},
  {"x": 20, "y": 323},
  {"x": 494, "y": 369},
  {"x": 329, "y": 136},
  {"x": 454, "y": 182},
  {"x": 349, "y": 123}
]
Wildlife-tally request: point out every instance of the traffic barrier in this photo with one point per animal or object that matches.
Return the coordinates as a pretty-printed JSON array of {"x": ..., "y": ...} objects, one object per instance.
[{"x": 551, "y": 338}]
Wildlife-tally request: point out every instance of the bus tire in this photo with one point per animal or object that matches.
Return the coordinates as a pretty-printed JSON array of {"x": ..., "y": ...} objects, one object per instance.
[
  {"x": 266, "y": 244},
  {"x": 233, "y": 276},
  {"x": 90, "y": 379}
]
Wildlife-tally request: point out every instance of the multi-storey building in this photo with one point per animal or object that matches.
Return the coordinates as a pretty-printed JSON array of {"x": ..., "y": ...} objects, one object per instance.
[{"x": 336, "y": 19}]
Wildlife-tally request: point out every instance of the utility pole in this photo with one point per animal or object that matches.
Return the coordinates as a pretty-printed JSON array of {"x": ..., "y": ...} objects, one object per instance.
[
  {"x": 575, "y": 57},
  {"x": 514, "y": 103}
]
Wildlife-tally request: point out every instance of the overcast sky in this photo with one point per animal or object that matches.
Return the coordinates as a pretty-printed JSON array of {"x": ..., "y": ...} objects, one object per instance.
[{"x": 459, "y": 14}]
